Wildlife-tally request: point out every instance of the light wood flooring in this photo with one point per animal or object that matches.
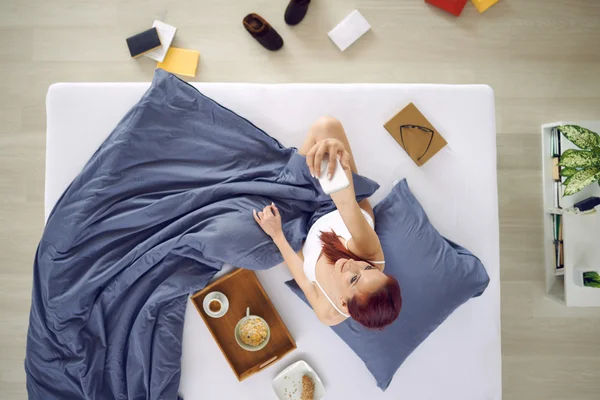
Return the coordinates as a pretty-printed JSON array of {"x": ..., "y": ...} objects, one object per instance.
[{"x": 541, "y": 57}]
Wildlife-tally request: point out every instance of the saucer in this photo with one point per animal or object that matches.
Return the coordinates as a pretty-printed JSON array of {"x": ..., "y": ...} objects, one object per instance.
[{"x": 212, "y": 296}]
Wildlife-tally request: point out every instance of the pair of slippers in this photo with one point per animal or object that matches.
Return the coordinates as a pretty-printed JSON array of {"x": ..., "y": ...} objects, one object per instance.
[{"x": 265, "y": 34}]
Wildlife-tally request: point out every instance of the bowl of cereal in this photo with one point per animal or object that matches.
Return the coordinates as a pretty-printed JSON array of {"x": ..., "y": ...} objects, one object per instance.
[{"x": 252, "y": 332}]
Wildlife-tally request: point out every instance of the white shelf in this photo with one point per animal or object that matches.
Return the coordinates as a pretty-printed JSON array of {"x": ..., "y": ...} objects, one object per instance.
[
  {"x": 582, "y": 245},
  {"x": 583, "y": 235}
]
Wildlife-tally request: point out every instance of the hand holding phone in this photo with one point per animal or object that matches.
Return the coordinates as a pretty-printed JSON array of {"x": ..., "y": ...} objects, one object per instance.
[
  {"x": 332, "y": 178},
  {"x": 338, "y": 181}
]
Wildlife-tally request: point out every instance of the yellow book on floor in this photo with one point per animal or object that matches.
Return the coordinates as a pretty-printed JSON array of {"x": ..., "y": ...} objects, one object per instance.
[
  {"x": 483, "y": 5},
  {"x": 180, "y": 61}
]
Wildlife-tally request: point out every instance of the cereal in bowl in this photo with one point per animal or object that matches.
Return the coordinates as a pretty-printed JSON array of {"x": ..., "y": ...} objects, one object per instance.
[{"x": 253, "y": 332}]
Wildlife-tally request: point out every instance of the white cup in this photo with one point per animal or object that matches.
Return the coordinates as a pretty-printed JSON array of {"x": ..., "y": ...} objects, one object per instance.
[
  {"x": 218, "y": 298},
  {"x": 218, "y": 309}
]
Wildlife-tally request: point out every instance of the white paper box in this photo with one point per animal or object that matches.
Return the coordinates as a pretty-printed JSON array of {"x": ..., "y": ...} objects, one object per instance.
[
  {"x": 166, "y": 33},
  {"x": 349, "y": 30}
]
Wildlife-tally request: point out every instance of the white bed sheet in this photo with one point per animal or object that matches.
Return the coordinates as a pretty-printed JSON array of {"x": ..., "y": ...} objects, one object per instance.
[{"x": 461, "y": 360}]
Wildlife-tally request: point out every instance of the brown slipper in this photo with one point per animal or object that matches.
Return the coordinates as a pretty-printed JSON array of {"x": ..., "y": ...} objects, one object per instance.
[
  {"x": 295, "y": 11},
  {"x": 263, "y": 32}
]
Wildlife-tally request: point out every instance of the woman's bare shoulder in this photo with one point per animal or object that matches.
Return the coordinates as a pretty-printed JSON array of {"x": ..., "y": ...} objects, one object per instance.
[
  {"x": 333, "y": 320},
  {"x": 327, "y": 314}
]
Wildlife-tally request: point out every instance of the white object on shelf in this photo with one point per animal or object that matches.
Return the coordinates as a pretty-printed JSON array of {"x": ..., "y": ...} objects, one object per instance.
[
  {"x": 581, "y": 254},
  {"x": 349, "y": 30},
  {"x": 579, "y": 229},
  {"x": 578, "y": 272},
  {"x": 166, "y": 33},
  {"x": 288, "y": 384}
]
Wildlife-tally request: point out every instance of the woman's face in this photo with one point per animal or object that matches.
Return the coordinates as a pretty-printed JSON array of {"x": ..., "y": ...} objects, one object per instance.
[{"x": 355, "y": 277}]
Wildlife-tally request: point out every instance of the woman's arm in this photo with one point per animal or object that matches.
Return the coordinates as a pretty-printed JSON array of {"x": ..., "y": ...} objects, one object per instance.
[
  {"x": 296, "y": 267},
  {"x": 364, "y": 242},
  {"x": 270, "y": 221}
]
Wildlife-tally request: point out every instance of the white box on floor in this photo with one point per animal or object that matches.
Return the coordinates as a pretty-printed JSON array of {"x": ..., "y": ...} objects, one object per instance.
[
  {"x": 349, "y": 30},
  {"x": 166, "y": 33}
]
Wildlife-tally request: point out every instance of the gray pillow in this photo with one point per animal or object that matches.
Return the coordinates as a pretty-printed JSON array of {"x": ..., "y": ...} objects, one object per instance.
[{"x": 436, "y": 276}]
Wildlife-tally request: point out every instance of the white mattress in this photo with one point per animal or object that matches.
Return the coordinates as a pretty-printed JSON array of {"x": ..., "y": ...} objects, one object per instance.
[{"x": 461, "y": 360}]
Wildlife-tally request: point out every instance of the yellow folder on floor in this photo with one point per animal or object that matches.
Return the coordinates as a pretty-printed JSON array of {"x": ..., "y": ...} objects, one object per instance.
[
  {"x": 483, "y": 5},
  {"x": 180, "y": 62}
]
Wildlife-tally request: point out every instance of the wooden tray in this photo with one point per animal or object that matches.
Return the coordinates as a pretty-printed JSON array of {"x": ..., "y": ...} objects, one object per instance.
[{"x": 243, "y": 289}]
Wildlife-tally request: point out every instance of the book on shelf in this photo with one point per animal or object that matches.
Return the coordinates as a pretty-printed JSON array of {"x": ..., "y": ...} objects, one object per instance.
[
  {"x": 557, "y": 190},
  {"x": 556, "y": 152},
  {"x": 556, "y": 146},
  {"x": 559, "y": 256}
]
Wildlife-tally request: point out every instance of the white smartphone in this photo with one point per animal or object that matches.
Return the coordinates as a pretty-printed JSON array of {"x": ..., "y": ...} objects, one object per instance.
[{"x": 338, "y": 181}]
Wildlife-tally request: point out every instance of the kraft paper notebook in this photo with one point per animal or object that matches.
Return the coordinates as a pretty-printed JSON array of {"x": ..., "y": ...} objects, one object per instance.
[{"x": 417, "y": 136}]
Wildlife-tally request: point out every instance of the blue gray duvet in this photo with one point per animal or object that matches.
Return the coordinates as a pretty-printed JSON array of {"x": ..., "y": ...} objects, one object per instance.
[{"x": 159, "y": 208}]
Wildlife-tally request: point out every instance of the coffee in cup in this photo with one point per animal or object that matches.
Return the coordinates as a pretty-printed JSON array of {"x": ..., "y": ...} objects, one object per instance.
[{"x": 215, "y": 305}]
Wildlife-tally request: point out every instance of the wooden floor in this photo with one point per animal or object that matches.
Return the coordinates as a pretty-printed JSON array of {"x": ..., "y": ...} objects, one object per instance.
[{"x": 541, "y": 57}]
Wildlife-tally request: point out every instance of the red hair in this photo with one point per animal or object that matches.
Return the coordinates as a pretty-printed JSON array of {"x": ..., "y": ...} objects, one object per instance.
[{"x": 375, "y": 310}]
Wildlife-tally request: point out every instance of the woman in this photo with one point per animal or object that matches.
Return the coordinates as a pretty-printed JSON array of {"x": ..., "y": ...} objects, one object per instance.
[{"x": 340, "y": 267}]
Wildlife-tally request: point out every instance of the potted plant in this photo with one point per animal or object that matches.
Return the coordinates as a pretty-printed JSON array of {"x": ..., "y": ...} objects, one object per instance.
[
  {"x": 585, "y": 276},
  {"x": 591, "y": 279},
  {"x": 580, "y": 167}
]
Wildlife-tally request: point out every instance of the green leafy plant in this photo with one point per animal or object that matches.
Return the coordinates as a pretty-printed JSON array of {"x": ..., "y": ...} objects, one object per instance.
[
  {"x": 591, "y": 279},
  {"x": 580, "y": 167}
]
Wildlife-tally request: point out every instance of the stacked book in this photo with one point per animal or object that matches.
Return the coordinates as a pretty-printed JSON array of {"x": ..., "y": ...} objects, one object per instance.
[
  {"x": 556, "y": 152},
  {"x": 155, "y": 43},
  {"x": 559, "y": 255}
]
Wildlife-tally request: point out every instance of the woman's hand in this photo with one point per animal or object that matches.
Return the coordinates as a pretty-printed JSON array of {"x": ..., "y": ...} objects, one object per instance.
[
  {"x": 331, "y": 147},
  {"x": 269, "y": 220}
]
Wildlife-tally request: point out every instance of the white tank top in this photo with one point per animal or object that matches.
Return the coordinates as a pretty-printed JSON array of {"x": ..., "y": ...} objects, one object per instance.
[{"x": 313, "y": 247}]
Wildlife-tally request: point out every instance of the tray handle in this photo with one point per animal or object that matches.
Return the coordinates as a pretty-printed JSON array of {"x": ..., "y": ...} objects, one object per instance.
[{"x": 269, "y": 361}]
